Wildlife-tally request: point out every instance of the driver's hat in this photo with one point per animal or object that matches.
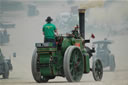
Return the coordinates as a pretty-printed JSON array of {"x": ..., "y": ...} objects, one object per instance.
[{"x": 49, "y": 19}]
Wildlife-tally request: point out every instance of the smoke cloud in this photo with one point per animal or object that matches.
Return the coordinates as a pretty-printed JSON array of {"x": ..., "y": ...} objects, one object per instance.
[
  {"x": 92, "y": 4},
  {"x": 113, "y": 17}
]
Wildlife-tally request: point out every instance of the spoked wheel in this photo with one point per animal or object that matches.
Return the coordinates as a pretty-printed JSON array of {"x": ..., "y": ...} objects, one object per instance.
[
  {"x": 36, "y": 70},
  {"x": 97, "y": 70},
  {"x": 73, "y": 64}
]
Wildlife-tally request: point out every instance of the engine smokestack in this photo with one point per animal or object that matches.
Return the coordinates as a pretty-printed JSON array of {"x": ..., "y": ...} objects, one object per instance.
[{"x": 82, "y": 22}]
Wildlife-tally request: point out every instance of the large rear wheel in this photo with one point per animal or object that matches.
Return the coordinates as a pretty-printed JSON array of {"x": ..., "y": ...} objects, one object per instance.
[
  {"x": 36, "y": 69},
  {"x": 73, "y": 64}
]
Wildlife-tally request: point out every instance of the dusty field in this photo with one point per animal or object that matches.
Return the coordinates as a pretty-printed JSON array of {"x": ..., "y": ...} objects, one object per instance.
[{"x": 119, "y": 77}]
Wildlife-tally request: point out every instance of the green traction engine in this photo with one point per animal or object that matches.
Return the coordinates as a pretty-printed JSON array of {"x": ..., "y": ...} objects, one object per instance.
[{"x": 70, "y": 58}]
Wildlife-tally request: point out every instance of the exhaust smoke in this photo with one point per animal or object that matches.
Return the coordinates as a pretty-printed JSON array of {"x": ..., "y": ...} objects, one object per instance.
[{"x": 92, "y": 4}]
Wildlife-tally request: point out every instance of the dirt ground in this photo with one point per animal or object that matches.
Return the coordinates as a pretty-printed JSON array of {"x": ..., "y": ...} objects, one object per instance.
[{"x": 119, "y": 77}]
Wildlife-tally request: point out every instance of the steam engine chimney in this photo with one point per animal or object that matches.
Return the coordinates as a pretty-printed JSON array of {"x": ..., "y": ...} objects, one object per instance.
[{"x": 82, "y": 22}]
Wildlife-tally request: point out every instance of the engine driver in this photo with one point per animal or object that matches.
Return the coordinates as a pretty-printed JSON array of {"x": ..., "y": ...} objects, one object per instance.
[{"x": 49, "y": 31}]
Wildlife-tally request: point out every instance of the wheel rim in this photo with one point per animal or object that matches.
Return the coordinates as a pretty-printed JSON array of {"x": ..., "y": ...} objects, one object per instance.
[
  {"x": 73, "y": 64},
  {"x": 36, "y": 74},
  {"x": 97, "y": 70},
  {"x": 76, "y": 64}
]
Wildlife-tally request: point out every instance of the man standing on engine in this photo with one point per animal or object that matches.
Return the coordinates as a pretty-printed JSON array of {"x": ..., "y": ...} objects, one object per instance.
[{"x": 49, "y": 31}]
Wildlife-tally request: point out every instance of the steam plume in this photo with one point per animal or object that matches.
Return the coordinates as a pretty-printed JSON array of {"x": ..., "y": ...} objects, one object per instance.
[{"x": 92, "y": 4}]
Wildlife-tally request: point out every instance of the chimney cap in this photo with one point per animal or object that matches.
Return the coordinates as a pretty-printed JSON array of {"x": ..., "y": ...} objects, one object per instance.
[{"x": 82, "y": 10}]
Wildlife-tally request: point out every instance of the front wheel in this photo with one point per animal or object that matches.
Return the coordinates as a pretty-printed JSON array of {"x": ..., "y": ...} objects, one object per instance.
[
  {"x": 97, "y": 70},
  {"x": 73, "y": 64}
]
